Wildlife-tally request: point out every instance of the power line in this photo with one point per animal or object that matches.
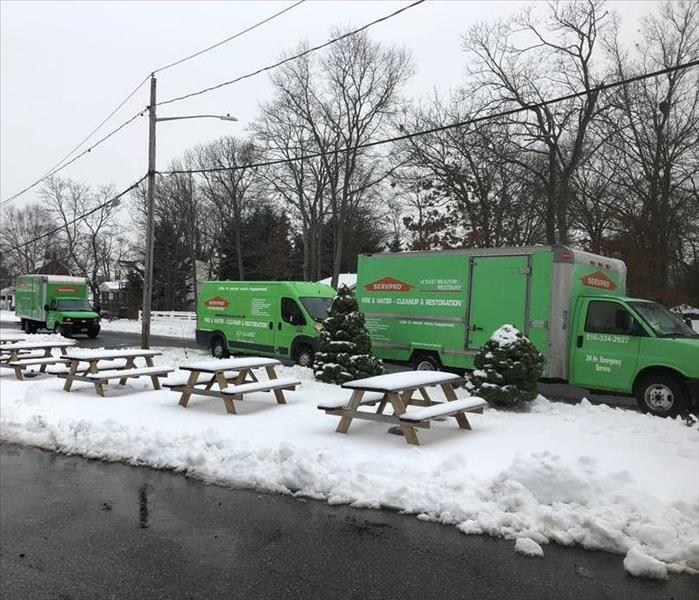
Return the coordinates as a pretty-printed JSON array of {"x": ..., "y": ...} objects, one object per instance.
[
  {"x": 70, "y": 162},
  {"x": 290, "y": 58},
  {"x": 228, "y": 39},
  {"x": 406, "y": 136},
  {"x": 59, "y": 166},
  {"x": 82, "y": 216}
]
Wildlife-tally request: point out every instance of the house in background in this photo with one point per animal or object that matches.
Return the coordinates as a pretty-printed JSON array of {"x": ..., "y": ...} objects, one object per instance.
[{"x": 7, "y": 298}]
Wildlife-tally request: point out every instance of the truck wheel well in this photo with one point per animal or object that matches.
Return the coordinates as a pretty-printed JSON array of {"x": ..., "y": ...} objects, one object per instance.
[
  {"x": 667, "y": 371},
  {"x": 426, "y": 355}
]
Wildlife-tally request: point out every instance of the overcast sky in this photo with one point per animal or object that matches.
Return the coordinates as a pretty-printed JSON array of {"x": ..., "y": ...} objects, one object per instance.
[{"x": 66, "y": 65}]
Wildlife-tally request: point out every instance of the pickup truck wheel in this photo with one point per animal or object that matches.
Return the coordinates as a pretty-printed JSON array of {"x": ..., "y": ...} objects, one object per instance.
[
  {"x": 304, "y": 356},
  {"x": 426, "y": 362},
  {"x": 661, "y": 395},
  {"x": 219, "y": 349}
]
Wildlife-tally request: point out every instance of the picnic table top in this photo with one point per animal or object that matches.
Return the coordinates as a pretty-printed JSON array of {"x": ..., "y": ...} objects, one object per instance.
[
  {"x": 402, "y": 381},
  {"x": 229, "y": 364},
  {"x": 37, "y": 345},
  {"x": 85, "y": 354},
  {"x": 7, "y": 337}
]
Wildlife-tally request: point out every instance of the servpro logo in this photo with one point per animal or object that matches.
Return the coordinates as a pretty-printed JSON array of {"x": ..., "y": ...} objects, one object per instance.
[
  {"x": 66, "y": 289},
  {"x": 388, "y": 284},
  {"x": 217, "y": 302},
  {"x": 598, "y": 280}
]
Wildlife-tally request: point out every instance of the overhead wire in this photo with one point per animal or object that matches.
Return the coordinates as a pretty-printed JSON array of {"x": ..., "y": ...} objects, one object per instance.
[
  {"x": 291, "y": 58},
  {"x": 59, "y": 166},
  {"x": 398, "y": 138}
]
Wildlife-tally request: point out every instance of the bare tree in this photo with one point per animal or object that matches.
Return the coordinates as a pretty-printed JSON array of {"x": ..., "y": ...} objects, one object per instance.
[{"x": 21, "y": 251}]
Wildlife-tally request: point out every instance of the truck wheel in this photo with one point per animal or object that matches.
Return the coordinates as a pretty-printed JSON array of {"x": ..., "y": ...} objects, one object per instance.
[
  {"x": 92, "y": 334},
  {"x": 661, "y": 395},
  {"x": 426, "y": 362},
  {"x": 219, "y": 349},
  {"x": 304, "y": 356}
]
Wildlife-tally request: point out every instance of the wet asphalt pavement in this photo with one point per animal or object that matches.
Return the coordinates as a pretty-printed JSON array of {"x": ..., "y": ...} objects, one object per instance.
[{"x": 72, "y": 528}]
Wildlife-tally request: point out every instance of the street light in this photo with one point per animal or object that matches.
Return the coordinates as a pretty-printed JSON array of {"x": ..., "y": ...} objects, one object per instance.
[{"x": 150, "y": 227}]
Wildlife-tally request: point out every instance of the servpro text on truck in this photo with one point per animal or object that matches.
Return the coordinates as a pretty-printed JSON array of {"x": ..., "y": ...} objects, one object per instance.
[
  {"x": 57, "y": 303},
  {"x": 271, "y": 318},
  {"x": 435, "y": 309}
]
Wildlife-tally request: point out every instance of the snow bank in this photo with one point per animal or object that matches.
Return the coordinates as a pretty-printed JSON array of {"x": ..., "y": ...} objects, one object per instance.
[
  {"x": 593, "y": 476},
  {"x": 181, "y": 328},
  {"x": 8, "y": 316},
  {"x": 640, "y": 564}
]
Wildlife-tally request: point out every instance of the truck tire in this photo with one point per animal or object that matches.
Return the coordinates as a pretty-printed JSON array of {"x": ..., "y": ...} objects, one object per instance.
[
  {"x": 29, "y": 327},
  {"x": 304, "y": 356},
  {"x": 219, "y": 348},
  {"x": 93, "y": 333},
  {"x": 426, "y": 361},
  {"x": 661, "y": 395}
]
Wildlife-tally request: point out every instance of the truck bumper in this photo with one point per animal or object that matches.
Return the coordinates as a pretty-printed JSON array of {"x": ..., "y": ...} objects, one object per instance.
[
  {"x": 203, "y": 338},
  {"x": 79, "y": 328},
  {"x": 693, "y": 386}
]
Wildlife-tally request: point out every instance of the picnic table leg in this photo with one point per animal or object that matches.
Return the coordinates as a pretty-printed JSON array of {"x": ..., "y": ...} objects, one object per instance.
[
  {"x": 18, "y": 373},
  {"x": 47, "y": 354},
  {"x": 69, "y": 378},
  {"x": 242, "y": 375},
  {"x": 425, "y": 395},
  {"x": 450, "y": 395},
  {"x": 398, "y": 409},
  {"x": 153, "y": 378},
  {"x": 278, "y": 394},
  {"x": 130, "y": 364},
  {"x": 184, "y": 398},
  {"x": 353, "y": 404},
  {"x": 227, "y": 401},
  {"x": 98, "y": 385},
  {"x": 382, "y": 405}
]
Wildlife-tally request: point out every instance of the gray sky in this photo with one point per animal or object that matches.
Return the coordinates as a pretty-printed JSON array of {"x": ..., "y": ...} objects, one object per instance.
[{"x": 65, "y": 65}]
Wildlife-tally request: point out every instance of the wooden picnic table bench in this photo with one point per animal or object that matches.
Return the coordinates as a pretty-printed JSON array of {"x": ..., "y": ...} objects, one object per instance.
[
  {"x": 20, "y": 355},
  {"x": 204, "y": 374},
  {"x": 100, "y": 374},
  {"x": 398, "y": 389}
]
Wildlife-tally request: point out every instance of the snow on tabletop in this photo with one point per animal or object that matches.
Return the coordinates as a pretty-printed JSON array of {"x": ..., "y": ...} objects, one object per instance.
[
  {"x": 104, "y": 353},
  {"x": 33, "y": 344},
  {"x": 593, "y": 476},
  {"x": 528, "y": 547},
  {"x": 399, "y": 381},
  {"x": 230, "y": 364},
  {"x": 505, "y": 336},
  {"x": 640, "y": 564}
]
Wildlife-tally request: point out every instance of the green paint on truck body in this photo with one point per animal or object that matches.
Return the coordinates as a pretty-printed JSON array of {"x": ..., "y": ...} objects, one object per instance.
[
  {"x": 66, "y": 299},
  {"x": 270, "y": 318},
  {"x": 448, "y": 303}
]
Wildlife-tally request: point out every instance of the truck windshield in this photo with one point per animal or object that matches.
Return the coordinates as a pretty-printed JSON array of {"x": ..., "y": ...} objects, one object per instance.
[
  {"x": 77, "y": 304},
  {"x": 662, "y": 321},
  {"x": 317, "y": 307}
]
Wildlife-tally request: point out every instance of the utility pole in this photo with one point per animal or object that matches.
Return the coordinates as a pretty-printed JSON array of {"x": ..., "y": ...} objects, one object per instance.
[{"x": 150, "y": 227}]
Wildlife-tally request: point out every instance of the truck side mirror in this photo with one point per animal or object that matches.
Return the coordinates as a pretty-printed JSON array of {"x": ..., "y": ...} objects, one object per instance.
[{"x": 46, "y": 307}]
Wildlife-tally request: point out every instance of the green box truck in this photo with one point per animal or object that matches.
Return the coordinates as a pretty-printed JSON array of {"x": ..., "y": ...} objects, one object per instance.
[
  {"x": 270, "y": 318},
  {"x": 57, "y": 303},
  {"x": 436, "y": 309}
]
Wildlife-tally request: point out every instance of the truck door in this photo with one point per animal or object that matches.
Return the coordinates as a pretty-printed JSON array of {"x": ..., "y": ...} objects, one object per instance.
[
  {"x": 289, "y": 325},
  {"x": 605, "y": 349},
  {"x": 498, "y": 295}
]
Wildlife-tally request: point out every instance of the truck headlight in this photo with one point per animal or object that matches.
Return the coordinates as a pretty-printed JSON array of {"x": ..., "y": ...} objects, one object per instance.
[
  {"x": 67, "y": 320},
  {"x": 318, "y": 327}
]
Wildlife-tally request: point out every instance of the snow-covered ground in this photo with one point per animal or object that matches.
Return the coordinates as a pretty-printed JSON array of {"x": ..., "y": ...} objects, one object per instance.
[
  {"x": 8, "y": 316},
  {"x": 181, "y": 328},
  {"x": 594, "y": 476}
]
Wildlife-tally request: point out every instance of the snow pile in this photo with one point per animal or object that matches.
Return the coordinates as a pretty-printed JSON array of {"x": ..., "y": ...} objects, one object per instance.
[
  {"x": 639, "y": 564},
  {"x": 505, "y": 336},
  {"x": 171, "y": 327},
  {"x": 528, "y": 547},
  {"x": 8, "y": 316},
  {"x": 593, "y": 476}
]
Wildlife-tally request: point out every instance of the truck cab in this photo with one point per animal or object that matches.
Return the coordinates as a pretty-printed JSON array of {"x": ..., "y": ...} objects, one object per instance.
[
  {"x": 71, "y": 316},
  {"x": 633, "y": 346}
]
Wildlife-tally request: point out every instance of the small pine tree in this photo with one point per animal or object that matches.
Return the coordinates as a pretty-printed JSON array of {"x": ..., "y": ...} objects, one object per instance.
[
  {"x": 508, "y": 367},
  {"x": 344, "y": 349}
]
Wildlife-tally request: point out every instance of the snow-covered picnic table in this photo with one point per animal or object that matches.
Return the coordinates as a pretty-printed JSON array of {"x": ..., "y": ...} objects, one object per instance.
[
  {"x": 99, "y": 374},
  {"x": 10, "y": 337},
  {"x": 236, "y": 371},
  {"x": 398, "y": 389},
  {"x": 19, "y": 355}
]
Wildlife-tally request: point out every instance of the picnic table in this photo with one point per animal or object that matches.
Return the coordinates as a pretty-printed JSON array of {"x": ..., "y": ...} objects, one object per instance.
[
  {"x": 399, "y": 390},
  {"x": 104, "y": 365},
  {"x": 19, "y": 355},
  {"x": 239, "y": 372},
  {"x": 10, "y": 337}
]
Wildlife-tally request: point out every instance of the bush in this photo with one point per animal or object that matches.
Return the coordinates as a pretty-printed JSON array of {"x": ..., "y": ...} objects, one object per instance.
[
  {"x": 508, "y": 367},
  {"x": 344, "y": 348}
]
